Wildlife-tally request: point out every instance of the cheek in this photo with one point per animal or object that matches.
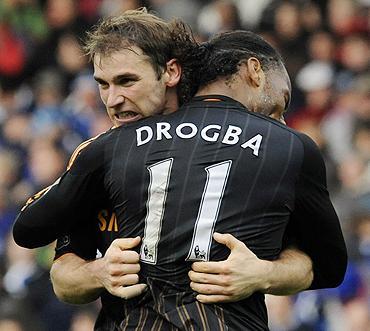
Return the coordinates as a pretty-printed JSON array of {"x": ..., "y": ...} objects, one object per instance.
[
  {"x": 156, "y": 94},
  {"x": 103, "y": 95}
]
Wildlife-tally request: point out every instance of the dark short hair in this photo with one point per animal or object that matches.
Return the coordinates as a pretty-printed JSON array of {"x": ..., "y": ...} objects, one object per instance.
[{"x": 222, "y": 55}]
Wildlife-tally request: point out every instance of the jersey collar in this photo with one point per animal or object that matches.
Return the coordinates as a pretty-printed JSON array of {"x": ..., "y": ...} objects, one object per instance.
[{"x": 217, "y": 98}]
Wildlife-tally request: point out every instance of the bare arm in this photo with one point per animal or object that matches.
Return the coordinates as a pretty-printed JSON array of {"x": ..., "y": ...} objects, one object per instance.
[
  {"x": 243, "y": 273},
  {"x": 73, "y": 281},
  {"x": 78, "y": 281},
  {"x": 291, "y": 273}
]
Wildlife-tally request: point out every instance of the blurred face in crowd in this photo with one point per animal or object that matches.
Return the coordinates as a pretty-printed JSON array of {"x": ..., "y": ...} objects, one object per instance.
[
  {"x": 286, "y": 21},
  {"x": 130, "y": 87}
]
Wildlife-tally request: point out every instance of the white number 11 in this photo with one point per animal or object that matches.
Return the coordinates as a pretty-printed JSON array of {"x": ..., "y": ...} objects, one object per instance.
[{"x": 210, "y": 203}]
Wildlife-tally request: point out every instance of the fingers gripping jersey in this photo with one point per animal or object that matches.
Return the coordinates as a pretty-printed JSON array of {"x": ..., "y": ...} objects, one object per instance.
[{"x": 176, "y": 179}]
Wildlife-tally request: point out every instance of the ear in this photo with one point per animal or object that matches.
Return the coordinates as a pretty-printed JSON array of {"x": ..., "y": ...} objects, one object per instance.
[
  {"x": 173, "y": 73},
  {"x": 254, "y": 72}
]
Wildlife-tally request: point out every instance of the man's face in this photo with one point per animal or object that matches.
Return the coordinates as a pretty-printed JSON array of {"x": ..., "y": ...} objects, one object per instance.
[
  {"x": 276, "y": 94},
  {"x": 128, "y": 85}
]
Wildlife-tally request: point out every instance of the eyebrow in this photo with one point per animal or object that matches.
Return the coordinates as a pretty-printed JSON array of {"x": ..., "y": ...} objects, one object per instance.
[
  {"x": 99, "y": 80},
  {"x": 118, "y": 78}
]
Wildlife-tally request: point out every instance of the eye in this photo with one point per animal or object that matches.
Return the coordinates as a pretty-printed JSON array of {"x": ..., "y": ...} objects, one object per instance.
[
  {"x": 127, "y": 81},
  {"x": 102, "y": 85}
]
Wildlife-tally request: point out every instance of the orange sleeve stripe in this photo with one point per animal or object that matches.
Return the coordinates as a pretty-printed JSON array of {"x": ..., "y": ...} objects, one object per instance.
[
  {"x": 212, "y": 99},
  {"x": 36, "y": 196},
  {"x": 79, "y": 149},
  {"x": 71, "y": 160}
]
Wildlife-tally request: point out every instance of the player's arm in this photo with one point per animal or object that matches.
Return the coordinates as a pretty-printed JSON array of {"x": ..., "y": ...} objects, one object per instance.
[
  {"x": 243, "y": 273},
  {"x": 71, "y": 251},
  {"x": 315, "y": 223},
  {"x": 76, "y": 280},
  {"x": 51, "y": 213}
]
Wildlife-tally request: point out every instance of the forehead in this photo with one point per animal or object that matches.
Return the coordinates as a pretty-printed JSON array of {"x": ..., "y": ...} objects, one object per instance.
[{"x": 128, "y": 60}]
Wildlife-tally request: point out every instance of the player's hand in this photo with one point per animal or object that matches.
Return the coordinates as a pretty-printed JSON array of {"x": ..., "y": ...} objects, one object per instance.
[
  {"x": 231, "y": 280},
  {"x": 120, "y": 268}
]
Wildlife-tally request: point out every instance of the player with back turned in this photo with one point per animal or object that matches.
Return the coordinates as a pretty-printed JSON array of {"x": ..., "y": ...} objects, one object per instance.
[
  {"x": 246, "y": 174},
  {"x": 140, "y": 81}
]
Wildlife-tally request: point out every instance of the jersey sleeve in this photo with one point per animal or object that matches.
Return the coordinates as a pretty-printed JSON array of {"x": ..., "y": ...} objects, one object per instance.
[
  {"x": 53, "y": 212},
  {"x": 314, "y": 224},
  {"x": 80, "y": 241}
]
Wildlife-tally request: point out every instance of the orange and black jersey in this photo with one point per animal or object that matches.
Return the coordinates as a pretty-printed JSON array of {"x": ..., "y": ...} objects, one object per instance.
[{"x": 175, "y": 179}]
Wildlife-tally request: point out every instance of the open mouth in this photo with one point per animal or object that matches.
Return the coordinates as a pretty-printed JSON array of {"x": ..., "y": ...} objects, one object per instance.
[{"x": 127, "y": 116}]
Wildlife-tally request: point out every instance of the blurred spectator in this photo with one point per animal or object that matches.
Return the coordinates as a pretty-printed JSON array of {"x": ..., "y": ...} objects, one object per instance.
[
  {"x": 84, "y": 319},
  {"x": 311, "y": 17},
  {"x": 186, "y": 10},
  {"x": 46, "y": 163},
  {"x": 289, "y": 34},
  {"x": 251, "y": 11},
  {"x": 22, "y": 29},
  {"x": 218, "y": 16},
  {"x": 354, "y": 56},
  {"x": 350, "y": 112},
  {"x": 321, "y": 47},
  {"x": 86, "y": 113},
  {"x": 344, "y": 17},
  {"x": 281, "y": 314},
  {"x": 70, "y": 57},
  {"x": 29, "y": 292},
  {"x": 48, "y": 118},
  {"x": 115, "y": 7},
  {"x": 11, "y": 65},
  {"x": 315, "y": 79},
  {"x": 14, "y": 316}
]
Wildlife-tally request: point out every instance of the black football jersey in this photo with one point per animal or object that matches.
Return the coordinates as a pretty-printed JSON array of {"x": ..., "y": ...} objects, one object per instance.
[{"x": 176, "y": 179}]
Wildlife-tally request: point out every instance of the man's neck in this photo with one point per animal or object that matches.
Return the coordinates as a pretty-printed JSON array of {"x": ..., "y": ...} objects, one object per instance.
[
  {"x": 172, "y": 102},
  {"x": 218, "y": 87},
  {"x": 235, "y": 90}
]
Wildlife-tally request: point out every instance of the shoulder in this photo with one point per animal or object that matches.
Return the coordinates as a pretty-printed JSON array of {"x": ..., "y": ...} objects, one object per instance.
[
  {"x": 89, "y": 152},
  {"x": 313, "y": 165},
  {"x": 79, "y": 149}
]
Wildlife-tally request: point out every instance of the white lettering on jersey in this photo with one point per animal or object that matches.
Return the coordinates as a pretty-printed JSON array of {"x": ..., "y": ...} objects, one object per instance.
[
  {"x": 144, "y": 134},
  {"x": 162, "y": 129},
  {"x": 253, "y": 143},
  {"x": 232, "y": 135},
  {"x": 215, "y": 136},
  {"x": 191, "y": 134},
  {"x": 139, "y": 136}
]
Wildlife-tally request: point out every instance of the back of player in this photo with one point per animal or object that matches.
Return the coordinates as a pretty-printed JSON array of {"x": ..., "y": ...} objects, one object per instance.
[
  {"x": 212, "y": 166},
  {"x": 174, "y": 180}
]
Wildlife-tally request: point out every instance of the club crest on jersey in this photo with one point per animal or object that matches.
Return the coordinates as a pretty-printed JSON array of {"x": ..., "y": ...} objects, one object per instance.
[
  {"x": 148, "y": 255},
  {"x": 210, "y": 133},
  {"x": 199, "y": 255},
  {"x": 63, "y": 242}
]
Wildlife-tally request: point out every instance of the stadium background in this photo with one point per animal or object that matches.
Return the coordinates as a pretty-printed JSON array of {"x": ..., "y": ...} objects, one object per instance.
[{"x": 49, "y": 103}]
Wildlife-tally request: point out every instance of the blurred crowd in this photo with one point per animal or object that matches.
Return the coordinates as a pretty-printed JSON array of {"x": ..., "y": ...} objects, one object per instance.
[{"x": 49, "y": 103}]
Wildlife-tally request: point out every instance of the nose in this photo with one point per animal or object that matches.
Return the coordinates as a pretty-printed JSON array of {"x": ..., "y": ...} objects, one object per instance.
[{"x": 115, "y": 98}]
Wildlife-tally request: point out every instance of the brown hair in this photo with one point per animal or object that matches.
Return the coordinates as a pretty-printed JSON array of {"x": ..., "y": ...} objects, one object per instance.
[{"x": 155, "y": 37}]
